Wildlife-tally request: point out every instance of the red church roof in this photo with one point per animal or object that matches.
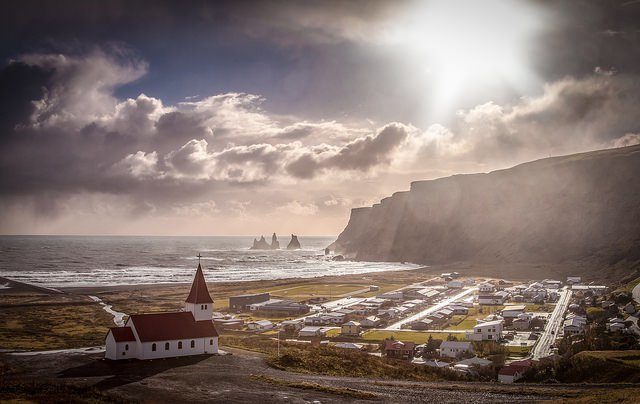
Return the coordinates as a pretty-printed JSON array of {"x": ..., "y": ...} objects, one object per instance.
[
  {"x": 199, "y": 292},
  {"x": 122, "y": 334},
  {"x": 171, "y": 326}
]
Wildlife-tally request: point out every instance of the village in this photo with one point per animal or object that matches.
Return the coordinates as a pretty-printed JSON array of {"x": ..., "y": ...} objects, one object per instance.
[{"x": 475, "y": 326}]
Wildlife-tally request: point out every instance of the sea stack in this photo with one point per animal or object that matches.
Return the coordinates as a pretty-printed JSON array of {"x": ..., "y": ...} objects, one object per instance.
[
  {"x": 294, "y": 244},
  {"x": 260, "y": 244},
  {"x": 275, "y": 244}
]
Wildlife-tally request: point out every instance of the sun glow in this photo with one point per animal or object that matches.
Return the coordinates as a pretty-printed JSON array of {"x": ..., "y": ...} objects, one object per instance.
[{"x": 457, "y": 48}]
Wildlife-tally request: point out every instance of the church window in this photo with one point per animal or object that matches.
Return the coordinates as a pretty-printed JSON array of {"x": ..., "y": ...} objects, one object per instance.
[
  {"x": 126, "y": 347},
  {"x": 202, "y": 307},
  {"x": 166, "y": 346},
  {"x": 153, "y": 347},
  {"x": 193, "y": 344},
  {"x": 124, "y": 353},
  {"x": 179, "y": 344},
  {"x": 210, "y": 342},
  {"x": 206, "y": 306}
]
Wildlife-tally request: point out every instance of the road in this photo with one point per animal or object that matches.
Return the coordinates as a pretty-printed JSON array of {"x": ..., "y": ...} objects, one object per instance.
[
  {"x": 554, "y": 326},
  {"x": 426, "y": 312}
]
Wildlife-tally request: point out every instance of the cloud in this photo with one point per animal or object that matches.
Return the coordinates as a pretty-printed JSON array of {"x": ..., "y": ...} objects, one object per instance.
[
  {"x": 299, "y": 209},
  {"x": 69, "y": 137}
]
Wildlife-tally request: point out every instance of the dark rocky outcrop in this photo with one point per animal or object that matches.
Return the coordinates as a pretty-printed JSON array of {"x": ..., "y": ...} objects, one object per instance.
[
  {"x": 263, "y": 245},
  {"x": 294, "y": 244},
  {"x": 275, "y": 244},
  {"x": 582, "y": 210}
]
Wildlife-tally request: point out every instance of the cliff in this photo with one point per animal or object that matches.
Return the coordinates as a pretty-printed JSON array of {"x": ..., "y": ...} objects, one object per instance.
[
  {"x": 294, "y": 244},
  {"x": 580, "y": 208}
]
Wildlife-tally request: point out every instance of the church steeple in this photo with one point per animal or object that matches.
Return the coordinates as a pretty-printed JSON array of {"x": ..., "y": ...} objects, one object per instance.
[
  {"x": 199, "y": 301},
  {"x": 199, "y": 292}
]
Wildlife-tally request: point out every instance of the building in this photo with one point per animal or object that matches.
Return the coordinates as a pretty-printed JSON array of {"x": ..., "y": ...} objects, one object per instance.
[
  {"x": 486, "y": 288},
  {"x": 460, "y": 310},
  {"x": 521, "y": 324},
  {"x": 511, "y": 312},
  {"x": 574, "y": 325},
  {"x": 348, "y": 345},
  {"x": 278, "y": 306},
  {"x": 369, "y": 322},
  {"x": 552, "y": 284},
  {"x": 242, "y": 302},
  {"x": 455, "y": 284},
  {"x": 455, "y": 349},
  {"x": 260, "y": 325},
  {"x": 309, "y": 332},
  {"x": 399, "y": 349},
  {"x": 514, "y": 371},
  {"x": 596, "y": 290},
  {"x": 476, "y": 362},
  {"x": 487, "y": 331},
  {"x": 394, "y": 295},
  {"x": 497, "y": 298},
  {"x": 572, "y": 280},
  {"x": 292, "y": 325},
  {"x": 422, "y": 324},
  {"x": 351, "y": 328},
  {"x": 630, "y": 308},
  {"x": 167, "y": 335}
]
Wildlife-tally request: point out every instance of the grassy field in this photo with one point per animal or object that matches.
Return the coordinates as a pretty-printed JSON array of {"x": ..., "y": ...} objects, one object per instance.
[
  {"x": 629, "y": 286},
  {"x": 69, "y": 324},
  {"x": 415, "y": 336},
  {"x": 629, "y": 358},
  {"x": 540, "y": 308},
  {"x": 466, "y": 322}
]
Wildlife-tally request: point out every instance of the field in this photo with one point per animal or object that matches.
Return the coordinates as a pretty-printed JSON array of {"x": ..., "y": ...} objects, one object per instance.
[
  {"x": 628, "y": 358},
  {"x": 466, "y": 322},
  {"x": 415, "y": 336}
]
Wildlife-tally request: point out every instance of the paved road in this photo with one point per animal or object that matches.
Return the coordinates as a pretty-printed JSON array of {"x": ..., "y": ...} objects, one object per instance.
[
  {"x": 426, "y": 312},
  {"x": 554, "y": 326}
]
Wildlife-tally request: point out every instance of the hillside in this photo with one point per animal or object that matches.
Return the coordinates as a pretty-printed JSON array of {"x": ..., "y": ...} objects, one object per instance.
[{"x": 577, "y": 212}]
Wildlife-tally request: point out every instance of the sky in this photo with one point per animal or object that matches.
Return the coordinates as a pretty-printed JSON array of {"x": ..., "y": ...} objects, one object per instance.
[{"x": 247, "y": 118}]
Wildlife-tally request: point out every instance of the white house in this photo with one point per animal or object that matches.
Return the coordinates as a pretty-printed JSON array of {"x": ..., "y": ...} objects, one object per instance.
[
  {"x": 487, "y": 331},
  {"x": 486, "y": 288},
  {"x": 260, "y": 325},
  {"x": 167, "y": 335},
  {"x": 455, "y": 285},
  {"x": 454, "y": 349}
]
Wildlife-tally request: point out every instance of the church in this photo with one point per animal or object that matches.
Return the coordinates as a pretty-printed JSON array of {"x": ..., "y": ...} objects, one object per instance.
[{"x": 167, "y": 335}]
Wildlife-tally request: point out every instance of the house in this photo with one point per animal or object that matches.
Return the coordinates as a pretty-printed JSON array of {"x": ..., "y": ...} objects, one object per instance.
[
  {"x": 475, "y": 362},
  {"x": 514, "y": 371},
  {"x": 434, "y": 363},
  {"x": 242, "y": 302},
  {"x": 574, "y": 325},
  {"x": 512, "y": 311},
  {"x": 260, "y": 325},
  {"x": 446, "y": 312},
  {"x": 596, "y": 290},
  {"x": 310, "y": 332},
  {"x": 487, "y": 331},
  {"x": 369, "y": 322},
  {"x": 521, "y": 324},
  {"x": 350, "y": 328},
  {"x": 292, "y": 325},
  {"x": 374, "y": 288},
  {"x": 460, "y": 310},
  {"x": 228, "y": 324},
  {"x": 455, "y": 284},
  {"x": 615, "y": 326},
  {"x": 399, "y": 349},
  {"x": 572, "y": 280},
  {"x": 167, "y": 335},
  {"x": 486, "y": 288},
  {"x": 455, "y": 349},
  {"x": 494, "y": 298},
  {"x": 423, "y": 324},
  {"x": 450, "y": 275}
]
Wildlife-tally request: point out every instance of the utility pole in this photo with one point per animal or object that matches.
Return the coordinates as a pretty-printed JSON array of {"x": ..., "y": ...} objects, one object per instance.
[{"x": 278, "y": 343}]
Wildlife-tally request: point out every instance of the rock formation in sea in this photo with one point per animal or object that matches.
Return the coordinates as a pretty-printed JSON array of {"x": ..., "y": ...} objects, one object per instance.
[
  {"x": 275, "y": 244},
  {"x": 575, "y": 213},
  {"x": 263, "y": 245},
  {"x": 294, "y": 244}
]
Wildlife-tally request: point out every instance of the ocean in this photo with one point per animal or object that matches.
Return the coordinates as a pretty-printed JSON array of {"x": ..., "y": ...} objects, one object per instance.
[{"x": 66, "y": 261}]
